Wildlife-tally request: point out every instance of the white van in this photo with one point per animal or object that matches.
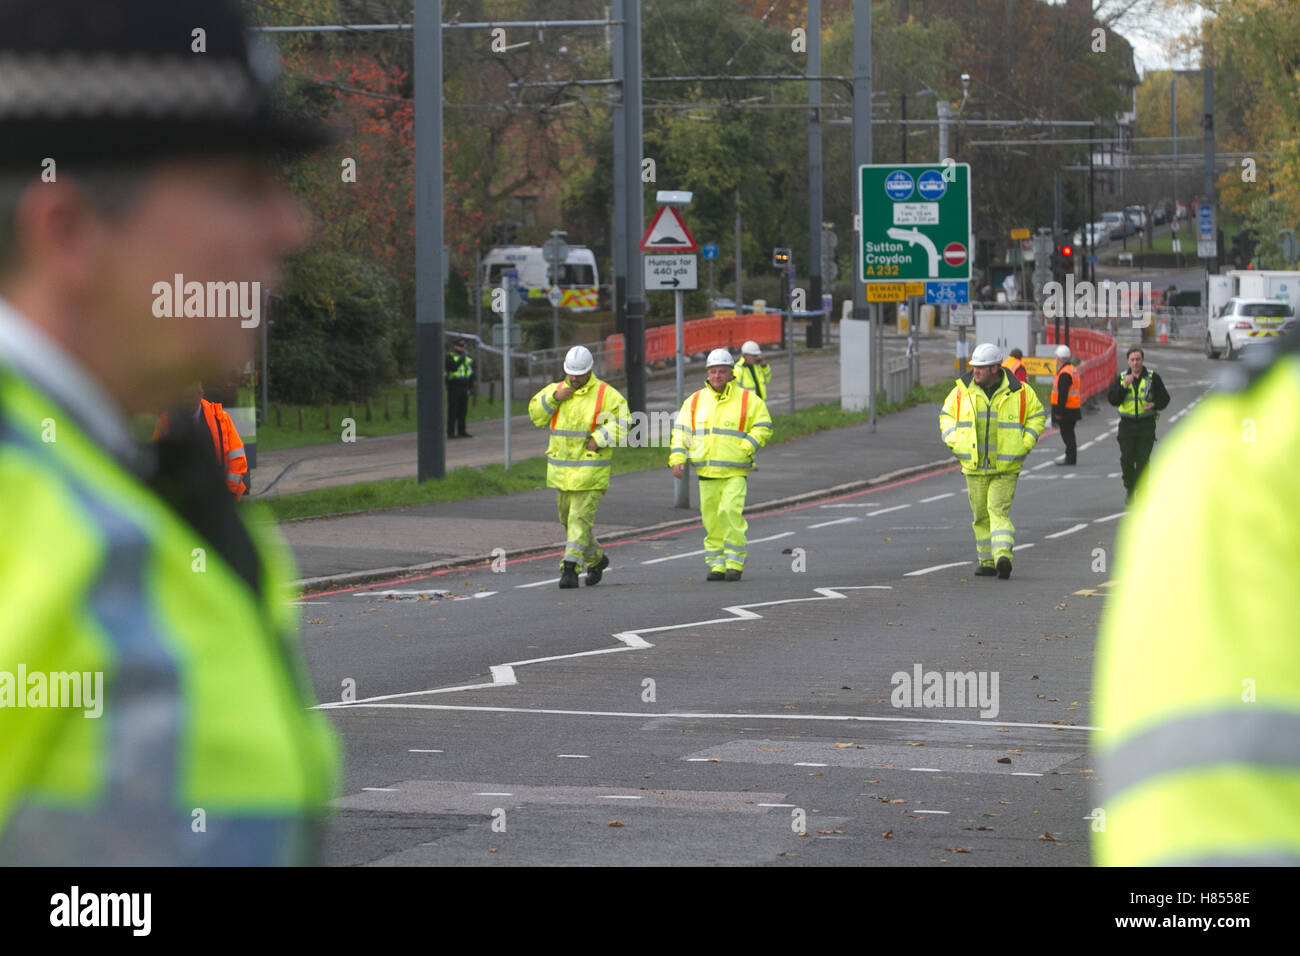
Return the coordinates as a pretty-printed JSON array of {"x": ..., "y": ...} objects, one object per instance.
[{"x": 579, "y": 279}]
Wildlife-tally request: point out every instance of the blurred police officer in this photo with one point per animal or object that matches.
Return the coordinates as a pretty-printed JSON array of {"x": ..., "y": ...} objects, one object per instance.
[
  {"x": 1140, "y": 396},
  {"x": 459, "y": 373},
  {"x": 132, "y": 143}
]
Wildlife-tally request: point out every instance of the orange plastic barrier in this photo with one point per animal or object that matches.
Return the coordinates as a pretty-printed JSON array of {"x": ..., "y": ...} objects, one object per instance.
[
  {"x": 1098, "y": 351},
  {"x": 701, "y": 335}
]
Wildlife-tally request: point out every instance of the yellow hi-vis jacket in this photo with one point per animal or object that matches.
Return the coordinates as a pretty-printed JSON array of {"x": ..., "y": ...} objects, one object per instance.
[
  {"x": 598, "y": 411},
  {"x": 1198, "y": 666},
  {"x": 754, "y": 378},
  {"x": 991, "y": 435},
  {"x": 720, "y": 432}
]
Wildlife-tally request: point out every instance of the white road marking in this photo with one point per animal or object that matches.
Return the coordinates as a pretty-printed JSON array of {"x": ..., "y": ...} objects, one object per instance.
[
  {"x": 686, "y": 715},
  {"x": 494, "y": 794},
  {"x": 827, "y": 524},
  {"x": 770, "y": 537},
  {"x": 1068, "y": 477},
  {"x": 782, "y": 805},
  {"x": 1021, "y": 547},
  {"x": 616, "y": 796},
  {"x": 857, "y": 504},
  {"x": 1021, "y": 773},
  {"x": 1116, "y": 474},
  {"x": 944, "y": 812},
  {"x": 483, "y": 594},
  {"x": 1046, "y": 464},
  {"x": 946, "y": 494},
  {"x": 575, "y": 756},
  {"x": 674, "y": 557},
  {"x": 884, "y": 511},
  {"x": 925, "y": 769},
  {"x": 1118, "y": 514},
  {"x": 1175, "y": 368},
  {"x": 1086, "y": 445},
  {"x": 381, "y": 789},
  {"x": 537, "y": 584},
  {"x": 937, "y": 567},
  {"x": 802, "y": 764},
  {"x": 1062, "y": 534},
  {"x": 697, "y": 759},
  {"x": 425, "y": 751}
]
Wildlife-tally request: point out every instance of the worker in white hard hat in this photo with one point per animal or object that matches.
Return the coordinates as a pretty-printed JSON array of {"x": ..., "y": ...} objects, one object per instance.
[
  {"x": 1067, "y": 403},
  {"x": 719, "y": 429},
  {"x": 991, "y": 420},
  {"x": 752, "y": 371},
  {"x": 586, "y": 418}
]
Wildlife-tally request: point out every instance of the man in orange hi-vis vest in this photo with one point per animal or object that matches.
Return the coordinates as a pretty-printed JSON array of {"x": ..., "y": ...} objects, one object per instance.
[{"x": 227, "y": 446}]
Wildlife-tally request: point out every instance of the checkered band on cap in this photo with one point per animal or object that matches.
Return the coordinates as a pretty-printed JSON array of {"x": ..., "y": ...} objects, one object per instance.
[{"x": 53, "y": 86}]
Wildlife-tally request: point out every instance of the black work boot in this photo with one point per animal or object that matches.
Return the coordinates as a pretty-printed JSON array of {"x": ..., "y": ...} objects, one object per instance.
[
  {"x": 985, "y": 571},
  {"x": 733, "y": 574},
  {"x": 1004, "y": 568},
  {"x": 596, "y": 571},
  {"x": 569, "y": 576},
  {"x": 716, "y": 575}
]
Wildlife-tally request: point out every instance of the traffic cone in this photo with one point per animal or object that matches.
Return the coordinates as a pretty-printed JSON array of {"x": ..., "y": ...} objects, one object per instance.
[{"x": 1164, "y": 330}]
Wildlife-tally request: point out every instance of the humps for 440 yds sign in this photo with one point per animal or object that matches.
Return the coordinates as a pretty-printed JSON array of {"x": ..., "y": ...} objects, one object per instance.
[{"x": 915, "y": 222}]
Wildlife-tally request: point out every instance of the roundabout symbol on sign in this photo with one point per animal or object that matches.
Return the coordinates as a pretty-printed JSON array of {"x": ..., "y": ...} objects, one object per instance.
[{"x": 954, "y": 254}]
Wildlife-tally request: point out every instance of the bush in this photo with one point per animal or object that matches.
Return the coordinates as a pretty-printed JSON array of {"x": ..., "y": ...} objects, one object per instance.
[{"x": 335, "y": 332}]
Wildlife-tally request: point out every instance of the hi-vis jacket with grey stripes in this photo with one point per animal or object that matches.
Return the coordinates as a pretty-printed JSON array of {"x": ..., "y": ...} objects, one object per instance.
[
  {"x": 596, "y": 411},
  {"x": 720, "y": 432},
  {"x": 991, "y": 435}
]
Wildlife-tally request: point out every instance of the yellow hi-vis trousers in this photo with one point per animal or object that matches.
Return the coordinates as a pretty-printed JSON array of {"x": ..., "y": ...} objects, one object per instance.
[
  {"x": 578, "y": 515},
  {"x": 990, "y": 506},
  {"x": 722, "y": 503}
]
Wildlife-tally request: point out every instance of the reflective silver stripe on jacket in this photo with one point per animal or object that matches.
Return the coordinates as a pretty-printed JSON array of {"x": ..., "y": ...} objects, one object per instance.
[
  {"x": 547, "y": 405},
  {"x": 586, "y": 463},
  {"x": 569, "y": 433},
  {"x": 237, "y": 453},
  {"x": 711, "y": 463}
]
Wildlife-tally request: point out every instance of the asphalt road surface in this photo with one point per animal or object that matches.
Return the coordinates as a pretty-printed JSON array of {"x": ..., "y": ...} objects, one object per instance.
[{"x": 656, "y": 719}]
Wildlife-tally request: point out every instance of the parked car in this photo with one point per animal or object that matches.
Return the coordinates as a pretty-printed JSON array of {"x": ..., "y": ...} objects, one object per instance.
[
  {"x": 1161, "y": 212},
  {"x": 1118, "y": 224},
  {"x": 1246, "y": 322},
  {"x": 1138, "y": 215},
  {"x": 1100, "y": 235}
]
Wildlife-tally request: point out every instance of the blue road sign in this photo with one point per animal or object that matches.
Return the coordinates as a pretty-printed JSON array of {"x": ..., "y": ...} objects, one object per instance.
[
  {"x": 947, "y": 290},
  {"x": 898, "y": 185},
  {"x": 931, "y": 185},
  {"x": 709, "y": 250},
  {"x": 1089, "y": 258},
  {"x": 1205, "y": 220}
]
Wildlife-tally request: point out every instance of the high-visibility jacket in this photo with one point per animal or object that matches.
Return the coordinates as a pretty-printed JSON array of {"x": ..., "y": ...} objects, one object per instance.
[
  {"x": 1015, "y": 367},
  {"x": 754, "y": 378},
  {"x": 459, "y": 368},
  {"x": 1072, "y": 399},
  {"x": 1135, "y": 396},
  {"x": 991, "y": 435},
  {"x": 720, "y": 432},
  {"x": 226, "y": 444},
  {"x": 1198, "y": 667},
  {"x": 597, "y": 411},
  {"x": 206, "y": 751}
]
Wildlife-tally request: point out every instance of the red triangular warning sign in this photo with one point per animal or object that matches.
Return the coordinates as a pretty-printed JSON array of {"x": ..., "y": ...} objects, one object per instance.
[{"x": 667, "y": 233}]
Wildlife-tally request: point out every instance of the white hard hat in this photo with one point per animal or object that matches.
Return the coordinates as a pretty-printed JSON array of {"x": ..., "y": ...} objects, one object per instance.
[
  {"x": 720, "y": 357},
  {"x": 578, "y": 361},
  {"x": 986, "y": 353},
  {"x": 1063, "y": 352},
  {"x": 750, "y": 348}
]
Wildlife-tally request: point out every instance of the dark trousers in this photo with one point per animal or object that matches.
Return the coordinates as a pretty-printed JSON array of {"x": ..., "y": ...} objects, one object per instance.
[
  {"x": 1136, "y": 439},
  {"x": 457, "y": 407},
  {"x": 1067, "y": 435}
]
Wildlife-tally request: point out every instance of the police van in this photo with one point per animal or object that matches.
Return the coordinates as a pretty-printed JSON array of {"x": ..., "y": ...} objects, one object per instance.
[{"x": 579, "y": 279}]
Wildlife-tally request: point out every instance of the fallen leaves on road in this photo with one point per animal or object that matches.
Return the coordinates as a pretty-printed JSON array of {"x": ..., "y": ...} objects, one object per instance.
[
  {"x": 615, "y": 823},
  {"x": 981, "y": 827},
  {"x": 844, "y": 746},
  {"x": 916, "y": 743},
  {"x": 1047, "y": 836},
  {"x": 828, "y": 832},
  {"x": 887, "y": 835},
  {"x": 1004, "y": 760},
  {"x": 956, "y": 849}
]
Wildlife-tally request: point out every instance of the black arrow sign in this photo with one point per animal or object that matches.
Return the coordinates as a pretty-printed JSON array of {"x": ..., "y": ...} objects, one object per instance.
[{"x": 672, "y": 282}]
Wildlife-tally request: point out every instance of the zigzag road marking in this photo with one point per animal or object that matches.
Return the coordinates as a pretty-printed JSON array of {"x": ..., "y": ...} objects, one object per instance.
[{"x": 503, "y": 675}]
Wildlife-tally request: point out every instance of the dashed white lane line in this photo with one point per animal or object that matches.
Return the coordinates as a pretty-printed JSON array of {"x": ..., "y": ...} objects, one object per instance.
[
  {"x": 1118, "y": 514},
  {"x": 537, "y": 584},
  {"x": 1086, "y": 445},
  {"x": 774, "y": 804},
  {"x": 1021, "y": 547},
  {"x": 1022, "y": 773},
  {"x": 674, "y": 557},
  {"x": 425, "y": 751},
  {"x": 946, "y": 494},
  {"x": 771, "y": 537},
  {"x": 492, "y": 794},
  {"x": 944, "y": 812},
  {"x": 925, "y": 769},
  {"x": 1072, "y": 530},
  {"x": 827, "y": 524},
  {"x": 617, "y": 796},
  {"x": 802, "y": 764},
  {"x": 884, "y": 511},
  {"x": 1046, "y": 464},
  {"x": 436, "y": 593},
  {"x": 381, "y": 789},
  {"x": 1116, "y": 474},
  {"x": 937, "y": 567},
  {"x": 697, "y": 759},
  {"x": 575, "y": 756},
  {"x": 854, "y": 504}
]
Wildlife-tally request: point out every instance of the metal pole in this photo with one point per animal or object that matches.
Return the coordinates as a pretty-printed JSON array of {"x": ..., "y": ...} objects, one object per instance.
[
  {"x": 429, "y": 299},
  {"x": 861, "y": 157},
  {"x": 945, "y": 111},
  {"x": 1092, "y": 210},
  {"x": 788, "y": 315},
  {"x": 621, "y": 242},
  {"x": 266, "y": 321},
  {"x": 712, "y": 294},
  {"x": 814, "y": 172},
  {"x": 902, "y": 128},
  {"x": 1173, "y": 133},
  {"x": 740, "y": 298},
  {"x": 682, "y": 485},
  {"x": 1207, "y": 189},
  {"x": 634, "y": 342},
  {"x": 508, "y": 383}
]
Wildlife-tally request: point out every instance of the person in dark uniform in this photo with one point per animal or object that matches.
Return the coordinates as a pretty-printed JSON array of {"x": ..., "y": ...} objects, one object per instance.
[
  {"x": 460, "y": 379},
  {"x": 1139, "y": 395},
  {"x": 1067, "y": 403}
]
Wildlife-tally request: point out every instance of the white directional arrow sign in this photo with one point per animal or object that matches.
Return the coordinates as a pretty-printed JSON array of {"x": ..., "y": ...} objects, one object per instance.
[{"x": 670, "y": 273}]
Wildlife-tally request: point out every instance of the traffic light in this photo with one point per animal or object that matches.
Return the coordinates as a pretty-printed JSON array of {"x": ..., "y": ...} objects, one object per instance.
[
  {"x": 1062, "y": 261},
  {"x": 781, "y": 258}
]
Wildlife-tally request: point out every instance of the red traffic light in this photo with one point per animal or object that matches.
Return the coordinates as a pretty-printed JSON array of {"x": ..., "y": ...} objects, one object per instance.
[{"x": 1066, "y": 250}]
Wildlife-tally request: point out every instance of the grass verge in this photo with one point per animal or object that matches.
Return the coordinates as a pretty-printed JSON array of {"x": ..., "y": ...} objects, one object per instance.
[{"x": 530, "y": 474}]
